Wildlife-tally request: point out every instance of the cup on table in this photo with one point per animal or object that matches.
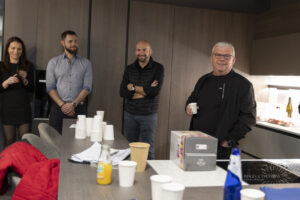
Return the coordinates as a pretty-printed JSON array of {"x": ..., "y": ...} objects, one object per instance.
[
  {"x": 89, "y": 126},
  {"x": 101, "y": 113},
  {"x": 172, "y": 191},
  {"x": 193, "y": 107},
  {"x": 103, "y": 127},
  {"x": 252, "y": 194},
  {"x": 96, "y": 133},
  {"x": 80, "y": 131},
  {"x": 126, "y": 173},
  {"x": 139, "y": 154},
  {"x": 156, "y": 182},
  {"x": 109, "y": 132}
]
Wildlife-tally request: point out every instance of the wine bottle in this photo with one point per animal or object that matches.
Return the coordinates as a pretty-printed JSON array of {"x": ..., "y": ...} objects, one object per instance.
[{"x": 289, "y": 108}]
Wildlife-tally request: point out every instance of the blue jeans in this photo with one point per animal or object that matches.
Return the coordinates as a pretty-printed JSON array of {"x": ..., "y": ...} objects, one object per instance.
[{"x": 141, "y": 128}]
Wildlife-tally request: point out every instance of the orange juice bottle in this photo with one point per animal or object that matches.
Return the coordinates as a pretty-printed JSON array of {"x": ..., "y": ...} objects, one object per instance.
[{"x": 104, "y": 168}]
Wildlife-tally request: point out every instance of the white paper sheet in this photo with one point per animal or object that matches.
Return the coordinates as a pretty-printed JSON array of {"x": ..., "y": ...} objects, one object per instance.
[{"x": 91, "y": 154}]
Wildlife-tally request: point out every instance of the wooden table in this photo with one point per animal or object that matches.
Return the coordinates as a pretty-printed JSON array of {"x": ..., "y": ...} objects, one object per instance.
[{"x": 78, "y": 181}]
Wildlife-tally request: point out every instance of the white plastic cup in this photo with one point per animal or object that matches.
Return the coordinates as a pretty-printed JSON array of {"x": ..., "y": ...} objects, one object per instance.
[
  {"x": 193, "y": 107},
  {"x": 80, "y": 131},
  {"x": 252, "y": 194},
  {"x": 109, "y": 132},
  {"x": 156, "y": 182},
  {"x": 172, "y": 191},
  {"x": 89, "y": 126},
  {"x": 103, "y": 127},
  {"x": 126, "y": 173},
  {"x": 96, "y": 133},
  {"x": 101, "y": 113}
]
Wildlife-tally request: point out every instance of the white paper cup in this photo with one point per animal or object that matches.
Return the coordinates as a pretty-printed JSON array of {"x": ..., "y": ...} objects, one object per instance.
[
  {"x": 156, "y": 182},
  {"x": 252, "y": 194},
  {"x": 193, "y": 107},
  {"x": 126, "y": 173},
  {"x": 172, "y": 191},
  {"x": 103, "y": 127},
  {"x": 109, "y": 132},
  {"x": 89, "y": 126},
  {"x": 96, "y": 133},
  {"x": 101, "y": 113},
  {"x": 80, "y": 131}
]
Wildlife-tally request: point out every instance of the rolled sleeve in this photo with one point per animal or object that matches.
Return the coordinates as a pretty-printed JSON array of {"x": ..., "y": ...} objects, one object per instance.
[
  {"x": 88, "y": 77},
  {"x": 50, "y": 76}
]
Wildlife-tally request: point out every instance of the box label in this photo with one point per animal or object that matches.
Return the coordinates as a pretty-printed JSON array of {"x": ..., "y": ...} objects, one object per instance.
[{"x": 201, "y": 146}]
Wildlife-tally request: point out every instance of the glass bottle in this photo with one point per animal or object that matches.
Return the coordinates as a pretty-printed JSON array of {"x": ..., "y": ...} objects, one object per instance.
[
  {"x": 289, "y": 108},
  {"x": 104, "y": 168}
]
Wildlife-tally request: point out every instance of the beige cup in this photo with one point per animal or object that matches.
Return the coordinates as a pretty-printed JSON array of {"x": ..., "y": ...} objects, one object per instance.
[
  {"x": 252, "y": 194},
  {"x": 139, "y": 154}
]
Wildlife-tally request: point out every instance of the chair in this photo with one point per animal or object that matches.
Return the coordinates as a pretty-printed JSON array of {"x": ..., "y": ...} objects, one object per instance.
[
  {"x": 49, "y": 134},
  {"x": 46, "y": 148}
]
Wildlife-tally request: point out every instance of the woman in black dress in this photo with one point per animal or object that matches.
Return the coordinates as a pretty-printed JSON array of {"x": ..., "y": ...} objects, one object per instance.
[{"x": 17, "y": 84}]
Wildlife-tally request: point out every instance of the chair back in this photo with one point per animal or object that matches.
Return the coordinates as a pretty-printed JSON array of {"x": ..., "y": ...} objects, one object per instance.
[{"x": 49, "y": 134}]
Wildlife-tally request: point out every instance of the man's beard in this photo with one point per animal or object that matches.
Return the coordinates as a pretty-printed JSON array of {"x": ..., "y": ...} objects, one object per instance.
[
  {"x": 73, "y": 52},
  {"x": 142, "y": 59}
]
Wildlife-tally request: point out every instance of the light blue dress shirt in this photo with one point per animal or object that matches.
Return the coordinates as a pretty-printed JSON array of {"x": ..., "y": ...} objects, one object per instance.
[{"x": 69, "y": 78}]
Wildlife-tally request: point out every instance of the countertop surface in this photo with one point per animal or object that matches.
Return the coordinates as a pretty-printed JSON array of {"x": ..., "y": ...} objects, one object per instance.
[{"x": 294, "y": 130}]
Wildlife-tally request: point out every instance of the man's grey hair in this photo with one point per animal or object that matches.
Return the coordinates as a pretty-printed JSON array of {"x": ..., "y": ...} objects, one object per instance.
[{"x": 223, "y": 44}]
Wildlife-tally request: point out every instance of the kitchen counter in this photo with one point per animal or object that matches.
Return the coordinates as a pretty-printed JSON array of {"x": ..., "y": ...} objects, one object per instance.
[{"x": 290, "y": 131}]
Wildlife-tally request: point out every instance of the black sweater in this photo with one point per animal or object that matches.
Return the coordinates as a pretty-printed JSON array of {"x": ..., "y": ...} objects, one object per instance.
[
  {"x": 142, "y": 77},
  {"x": 237, "y": 112}
]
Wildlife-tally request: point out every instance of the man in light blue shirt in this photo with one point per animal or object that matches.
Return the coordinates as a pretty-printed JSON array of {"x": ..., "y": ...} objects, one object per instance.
[{"x": 68, "y": 81}]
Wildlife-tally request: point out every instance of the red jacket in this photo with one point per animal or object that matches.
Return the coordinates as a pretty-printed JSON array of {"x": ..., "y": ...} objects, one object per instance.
[{"x": 39, "y": 175}]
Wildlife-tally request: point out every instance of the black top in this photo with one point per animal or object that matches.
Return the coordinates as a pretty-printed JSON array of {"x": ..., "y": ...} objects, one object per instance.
[
  {"x": 142, "y": 77},
  {"x": 236, "y": 112},
  {"x": 15, "y": 100},
  {"x": 209, "y": 104}
]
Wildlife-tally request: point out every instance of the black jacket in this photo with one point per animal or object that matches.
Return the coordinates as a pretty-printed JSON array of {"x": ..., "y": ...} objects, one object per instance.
[
  {"x": 142, "y": 77},
  {"x": 238, "y": 109}
]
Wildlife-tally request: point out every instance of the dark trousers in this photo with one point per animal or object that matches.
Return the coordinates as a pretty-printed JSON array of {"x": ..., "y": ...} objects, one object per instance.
[
  {"x": 223, "y": 152},
  {"x": 141, "y": 128},
  {"x": 56, "y": 115}
]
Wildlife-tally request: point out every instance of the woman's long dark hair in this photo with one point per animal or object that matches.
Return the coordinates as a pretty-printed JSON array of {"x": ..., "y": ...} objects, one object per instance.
[{"x": 23, "y": 62}]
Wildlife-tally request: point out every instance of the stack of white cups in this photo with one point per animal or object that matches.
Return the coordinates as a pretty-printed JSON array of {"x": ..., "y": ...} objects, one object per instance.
[
  {"x": 96, "y": 133},
  {"x": 101, "y": 113},
  {"x": 80, "y": 131},
  {"x": 89, "y": 126},
  {"x": 109, "y": 132}
]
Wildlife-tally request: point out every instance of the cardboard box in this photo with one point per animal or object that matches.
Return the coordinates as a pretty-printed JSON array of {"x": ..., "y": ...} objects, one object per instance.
[{"x": 193, "y": 150}]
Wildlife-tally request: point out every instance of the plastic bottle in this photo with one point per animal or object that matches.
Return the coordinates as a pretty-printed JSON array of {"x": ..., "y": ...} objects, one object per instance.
[
  {"x": 233, "y": 181},
  {"x": 289, "y": 108},
  {"x": 104, "y": 168}
]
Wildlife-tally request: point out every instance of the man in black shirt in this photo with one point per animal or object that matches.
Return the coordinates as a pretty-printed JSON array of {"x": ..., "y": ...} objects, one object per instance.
[
  {"x": 140, "y": 87},
  {"x": 226, "y": 107}
]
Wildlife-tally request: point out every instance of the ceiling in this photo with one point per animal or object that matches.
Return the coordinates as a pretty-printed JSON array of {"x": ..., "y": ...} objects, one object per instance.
[{"x": 243, "y": 6}]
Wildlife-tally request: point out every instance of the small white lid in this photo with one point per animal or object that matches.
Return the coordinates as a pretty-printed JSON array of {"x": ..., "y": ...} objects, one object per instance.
[
  {"x": 174, "y": 187},
  {"x": 252, "y": 193},
  {"x": 161, "y": 178}
]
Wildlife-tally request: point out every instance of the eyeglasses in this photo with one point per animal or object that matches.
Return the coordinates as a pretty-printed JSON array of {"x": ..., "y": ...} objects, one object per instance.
[{"x": 225, "y": 56}]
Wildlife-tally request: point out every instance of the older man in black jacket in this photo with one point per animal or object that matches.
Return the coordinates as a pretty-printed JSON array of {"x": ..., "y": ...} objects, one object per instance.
[{"x": 226, "y": 107}]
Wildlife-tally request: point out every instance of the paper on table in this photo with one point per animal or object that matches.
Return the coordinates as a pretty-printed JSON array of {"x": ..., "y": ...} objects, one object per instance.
[{"x": 91, "y": 154}]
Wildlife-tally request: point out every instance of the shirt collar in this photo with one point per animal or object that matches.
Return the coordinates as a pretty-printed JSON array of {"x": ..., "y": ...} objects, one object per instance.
[{"x": 149, "y": 65}]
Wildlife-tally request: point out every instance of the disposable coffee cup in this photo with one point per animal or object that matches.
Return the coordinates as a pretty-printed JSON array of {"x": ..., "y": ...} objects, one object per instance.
[
  {"x": 101, "y": 113},
  {"x": 156, "y": 182},
  {"x": 89, "y": 126},
  {"x": 80, "y": 131},
  {"x": 126, "y": 173},
  {"x": 109, "y": 132},
  {"x": 252, "y": 194},
  {"x": 193, "y": 107},
  {"x": 172, "y": 191},
  {"x": 96, "y": 133},
  {"x": 139, "y": 154}
]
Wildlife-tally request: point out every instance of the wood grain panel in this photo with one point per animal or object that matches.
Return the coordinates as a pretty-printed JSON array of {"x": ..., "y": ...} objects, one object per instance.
[
  {"x": 278, "y": 21},
  {"x": 196, "y": 31},
  {"x": 21, "y": 20},
  {"x": 154, "y": 23},
  {"x": 108, "y": 47},
  {"x": 54, "y": 17}
]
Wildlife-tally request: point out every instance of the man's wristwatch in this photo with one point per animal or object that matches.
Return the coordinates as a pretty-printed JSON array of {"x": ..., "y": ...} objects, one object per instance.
[{"x": 74, "y": 104}]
